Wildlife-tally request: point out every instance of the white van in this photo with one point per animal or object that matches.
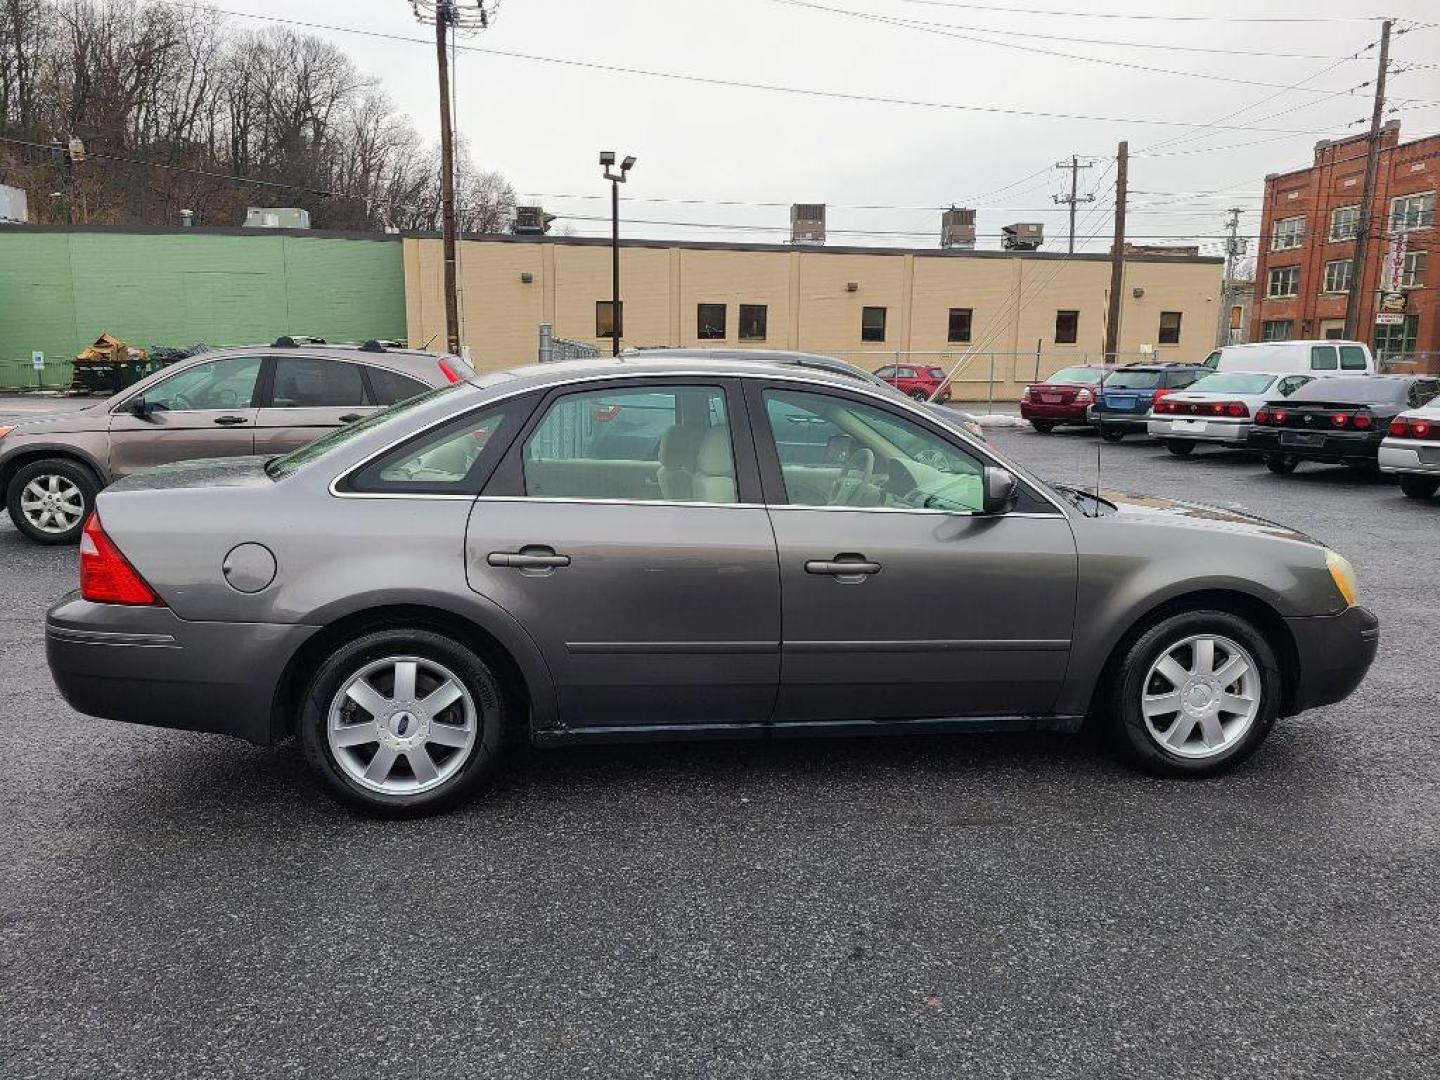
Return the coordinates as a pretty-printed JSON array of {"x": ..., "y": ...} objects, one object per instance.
[{"x": 1328, "y": 357}]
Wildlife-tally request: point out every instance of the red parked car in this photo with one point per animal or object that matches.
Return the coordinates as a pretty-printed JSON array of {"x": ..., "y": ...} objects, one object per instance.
[
  {"x": 916, "y": 381},
  {"x": 1063, "y": 398}
]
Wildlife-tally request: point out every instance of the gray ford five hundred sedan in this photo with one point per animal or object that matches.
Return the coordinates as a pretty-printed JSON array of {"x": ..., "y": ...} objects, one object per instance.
[{"x": 681, "y": 548}]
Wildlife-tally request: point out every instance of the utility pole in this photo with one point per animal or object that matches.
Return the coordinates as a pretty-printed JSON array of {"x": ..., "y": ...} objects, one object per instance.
[
  {"x": 1074, "y": 166},
  {"x": 448, "y": 16},
  {"x": 1233, "y": 246},
  {"x": 607, "y": 162},
  {"x": 1367, "y": 195},
  {"x": 1117, "y": 255}
]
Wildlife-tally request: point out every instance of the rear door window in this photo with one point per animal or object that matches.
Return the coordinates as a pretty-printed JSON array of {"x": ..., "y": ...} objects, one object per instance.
[
  {"x": 1323, "y": 358},
  {"x": 307, "y": 382}
]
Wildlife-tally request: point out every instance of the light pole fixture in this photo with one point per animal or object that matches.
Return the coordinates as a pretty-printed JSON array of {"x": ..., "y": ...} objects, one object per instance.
[{"x": 607, "y": 161}]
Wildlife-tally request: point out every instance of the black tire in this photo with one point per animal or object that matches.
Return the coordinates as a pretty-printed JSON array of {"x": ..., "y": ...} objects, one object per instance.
[
  {"x": 919, "y": 395},
  {"x": 1179, "y": 447},
  {"x": 1111, "y": 434},
  {"x": 1044, "y": 427},
  {"x": 67, "y": 471},
  {"x": 1126, "y": 723},
  {"x": 347, "y": 659},
  {"x": 1281, "y": 464},
  {"x": 1419, "y": 487}
]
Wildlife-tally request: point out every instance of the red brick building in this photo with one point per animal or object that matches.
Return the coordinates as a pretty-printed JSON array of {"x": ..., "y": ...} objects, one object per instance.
[{"x": 1302, "y": 275}]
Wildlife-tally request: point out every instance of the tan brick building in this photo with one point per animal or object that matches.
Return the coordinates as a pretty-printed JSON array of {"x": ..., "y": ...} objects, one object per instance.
[{"x": 863, "y": 304}]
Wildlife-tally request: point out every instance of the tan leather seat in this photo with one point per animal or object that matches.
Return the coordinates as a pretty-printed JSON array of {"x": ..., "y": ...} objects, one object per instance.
[
  {"x": 679, "y": 450},
  {"x": 714, "y": 479}
]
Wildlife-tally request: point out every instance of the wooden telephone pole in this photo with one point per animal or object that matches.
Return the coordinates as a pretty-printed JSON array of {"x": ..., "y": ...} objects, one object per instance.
[
  {"x": 1117, "y": 255},
  {"x": 1367, "y": 195}
]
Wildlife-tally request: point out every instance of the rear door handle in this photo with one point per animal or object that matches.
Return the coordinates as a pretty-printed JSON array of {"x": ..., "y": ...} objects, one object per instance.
[
  {"x": 530, "y": 557},
  {"x": 230, "y": 421},
  {"x": 843, "y": 567},
  {"x": 350, "y": 417}
]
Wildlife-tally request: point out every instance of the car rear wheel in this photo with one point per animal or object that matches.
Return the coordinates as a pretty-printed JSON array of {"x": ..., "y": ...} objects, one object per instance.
[
  {"x": 402, "y": 722},
  {"x": 919, "y": 395},
  {"x": 1044, "y": 427},
  {"x": 1419, "y": 487},
  {"x": 50, "y": 499},
  {"x": 1195, "y": 695},
  {"x": 1179, "y": 447},
  {"x": 1111, "y": 434},
  {"x": 1281, "y": 464}
]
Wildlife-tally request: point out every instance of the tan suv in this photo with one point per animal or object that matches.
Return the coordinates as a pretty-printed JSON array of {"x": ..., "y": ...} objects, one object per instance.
[{"x": 227, "y": 403}]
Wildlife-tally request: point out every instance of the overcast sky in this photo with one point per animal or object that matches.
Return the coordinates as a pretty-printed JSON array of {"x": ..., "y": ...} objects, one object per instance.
[{"x": 542, "y": 124}]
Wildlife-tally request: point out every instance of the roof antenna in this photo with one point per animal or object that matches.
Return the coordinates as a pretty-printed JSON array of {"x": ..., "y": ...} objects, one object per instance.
[
  {"x": 1099, "y": 436},
  {"x": 432, "y": 337}
]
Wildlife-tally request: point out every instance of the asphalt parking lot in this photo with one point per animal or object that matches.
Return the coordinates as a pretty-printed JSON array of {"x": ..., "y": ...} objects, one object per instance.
[{"x": 182, "y": 905}]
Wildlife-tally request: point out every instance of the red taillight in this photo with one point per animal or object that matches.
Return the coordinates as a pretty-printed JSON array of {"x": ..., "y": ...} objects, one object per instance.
[
  {"x": 1339, "y": 420},
  {"x": 105, "y": 575},
  {"x": 1161, "y": 394},
  {"x": 1280, "y": 416},
  {"x": 1262, "y": 417},
  {"x": 1026, "y": 395},
  {"x": 1237, "y": 409},
  {"x": 1399, "y": 428},
  {"x": 1084, "y": 395},
  {"x": 1363, "y": 421},
  {"x": 1420, "y": 429},
  {"x": 448, "y": 372}
]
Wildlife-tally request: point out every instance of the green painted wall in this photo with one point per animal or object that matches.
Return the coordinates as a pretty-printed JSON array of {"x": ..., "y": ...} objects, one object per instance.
[{"x": 60, "y": 289}]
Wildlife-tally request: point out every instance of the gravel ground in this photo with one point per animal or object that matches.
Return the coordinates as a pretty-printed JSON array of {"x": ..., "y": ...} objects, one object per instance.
[{"x": 179, "y": 905}]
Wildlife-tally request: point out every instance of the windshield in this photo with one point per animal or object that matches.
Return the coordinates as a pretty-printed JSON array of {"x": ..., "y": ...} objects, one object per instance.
[
  {"x": 1086, "y": 376},
  {"x": 291, "y": 463},
  {"x": 1233, "y": 383},
  {"x": 1133, "y": 380}
]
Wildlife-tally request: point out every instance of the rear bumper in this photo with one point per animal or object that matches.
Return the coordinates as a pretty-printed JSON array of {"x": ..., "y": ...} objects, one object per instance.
[
  {"x": 1136, "y": 421},
  {"x": 144, "y": 665},
  {"x": 1059, "y": 414},
  {"x": 1330, "y": 448},
  {"x": 1405, "y": 457},
  {"x": 1229, "y": 432},
  {"x": 1335, "y": 652}
]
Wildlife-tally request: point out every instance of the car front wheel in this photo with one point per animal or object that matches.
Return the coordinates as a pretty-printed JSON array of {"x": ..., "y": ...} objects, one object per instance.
[
  {"x": 1195, "y": 695},
  {"x": 1419, "y": 487},
  {"x": 49, "y": 500},
  {"x": 1180, "y": 448},
  {"x": 402, "y": 721}
]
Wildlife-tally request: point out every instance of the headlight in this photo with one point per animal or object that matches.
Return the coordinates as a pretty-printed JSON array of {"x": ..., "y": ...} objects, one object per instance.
[{"x": 1343, "y": 575}]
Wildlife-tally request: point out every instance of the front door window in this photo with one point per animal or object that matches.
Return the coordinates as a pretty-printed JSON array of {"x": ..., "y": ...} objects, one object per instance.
[{"x": 222, "y": 384}]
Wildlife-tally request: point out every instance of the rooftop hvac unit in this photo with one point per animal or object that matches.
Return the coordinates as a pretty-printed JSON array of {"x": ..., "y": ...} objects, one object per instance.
[
  {"x": 957, "y": 229},
  {"x": 276, "y": 217},
  {"x": 807, "y": 223},
  {"x": 531, "y": 221},
  {"x": 1022, "y": 236}
]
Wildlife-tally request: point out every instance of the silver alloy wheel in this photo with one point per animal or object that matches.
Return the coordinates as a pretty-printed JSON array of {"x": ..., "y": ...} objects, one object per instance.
[
  {"x": 52, "y": 503},
  {"x": 402, "y": 725},
  {"x": 1201, "y": 696}
]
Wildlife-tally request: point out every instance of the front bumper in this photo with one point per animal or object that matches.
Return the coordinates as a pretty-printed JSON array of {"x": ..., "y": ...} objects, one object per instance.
[
  {"x": 1335, "y": 652},
  {"x": 1329, "y": 447},
  {"x": 1201, "y": 429},
  {"x": 146, "y": 665},
  {"x": 1410, "y": 457}
]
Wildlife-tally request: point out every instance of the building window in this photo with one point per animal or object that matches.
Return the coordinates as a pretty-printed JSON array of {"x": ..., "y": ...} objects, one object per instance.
[
  {"x": 1412, "y": 212},
  {"x": 1399, "y": 340},
  {"x": 1344, "y": 221},
  {"x": 1169, "y": 328},
  {"x": 753, "y": 319},
  {"x": 1067, "y": 327},
  {"x": 1288, "y": 233},
  {"x": 1337, "y": 276},
  {"x": 604, "y": 327},
  {"x": 1412, "y": 273},
  {"x": 872, "y": 324},
  {"x": 960, "y": 319},
  {"x": 1277, "y": 329},
  {"x": 1284, "y": 281},
  {"x": 710, "y": 322}
]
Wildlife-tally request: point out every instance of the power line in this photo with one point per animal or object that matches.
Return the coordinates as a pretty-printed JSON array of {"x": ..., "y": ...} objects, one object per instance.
[
  {"x": 1148, "y": 17},
  {"x": 708, "y": 80}
]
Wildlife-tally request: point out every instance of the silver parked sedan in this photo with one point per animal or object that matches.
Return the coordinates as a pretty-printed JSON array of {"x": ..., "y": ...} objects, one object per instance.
[
  {"x": 1217, "y": 409},
  {"x": 681, "y": 548}
]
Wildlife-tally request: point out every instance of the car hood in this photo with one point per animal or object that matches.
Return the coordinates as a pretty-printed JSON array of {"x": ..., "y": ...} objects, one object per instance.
[
  {"x": 1138, "y": 508},
  {"x": 91, "y": 418},
  {"x": 208, "y": 473}
]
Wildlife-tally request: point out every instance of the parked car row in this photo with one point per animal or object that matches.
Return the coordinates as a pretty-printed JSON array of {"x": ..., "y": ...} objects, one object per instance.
[{"x": 1288, "y": 402}]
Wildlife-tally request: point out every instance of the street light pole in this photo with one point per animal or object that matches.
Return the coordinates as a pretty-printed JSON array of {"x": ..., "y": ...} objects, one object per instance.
[{"x": 607, "y": 160}]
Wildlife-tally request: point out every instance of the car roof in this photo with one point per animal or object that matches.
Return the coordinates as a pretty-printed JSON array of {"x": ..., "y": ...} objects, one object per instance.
[
  {"x": 1292, "y": 341},
  {"x": 785, "y": 357},
  {"x": 729, "y": 362}
]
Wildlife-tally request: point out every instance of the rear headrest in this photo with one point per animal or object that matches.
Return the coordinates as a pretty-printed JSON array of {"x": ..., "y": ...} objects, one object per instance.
[
  {"x": 679, "y": 445},
  {"x": 714, "y": 458}
]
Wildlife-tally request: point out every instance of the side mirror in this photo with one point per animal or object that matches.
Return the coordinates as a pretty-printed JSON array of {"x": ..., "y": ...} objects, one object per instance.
[
  {"x": 139, "y": 409},
  {"x": 1001, "y": 490}
]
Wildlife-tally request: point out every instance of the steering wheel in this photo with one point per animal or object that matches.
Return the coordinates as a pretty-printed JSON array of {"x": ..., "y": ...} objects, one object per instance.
[
  {"x": 858, "y": 471},
  {"x": 180, "y": 402}
]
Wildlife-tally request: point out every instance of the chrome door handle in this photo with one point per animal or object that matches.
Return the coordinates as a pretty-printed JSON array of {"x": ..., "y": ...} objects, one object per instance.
[
  {"x": 350, "y": 417},
  {"x": 528, "y": 558},
  {"x": 230, "y": 421},
  {"x": 856, "y": 568}
]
